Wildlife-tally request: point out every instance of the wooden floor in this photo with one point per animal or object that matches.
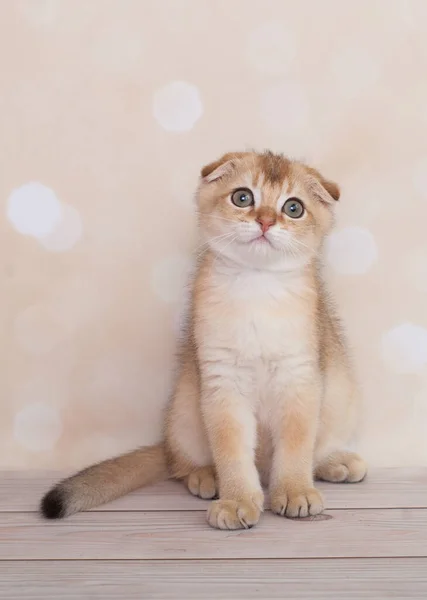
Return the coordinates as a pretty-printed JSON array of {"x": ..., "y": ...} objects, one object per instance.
[{"x": 371, "y": 544}]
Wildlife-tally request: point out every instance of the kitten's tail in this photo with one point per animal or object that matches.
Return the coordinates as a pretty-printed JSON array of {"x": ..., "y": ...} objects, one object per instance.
[{"x": 105, "y": 481}]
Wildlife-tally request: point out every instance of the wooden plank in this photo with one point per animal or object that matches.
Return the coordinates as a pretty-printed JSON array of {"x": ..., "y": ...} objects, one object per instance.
[
  {"x": 403, "y": 579},
  {"x": 169, "y": 535},
  {"x": 384, "y": 488}
]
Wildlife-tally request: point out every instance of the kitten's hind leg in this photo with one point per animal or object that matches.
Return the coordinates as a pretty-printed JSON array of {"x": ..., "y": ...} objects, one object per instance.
[
  {"x": 202, "y": 483},
  {"x": 189, "y": 454},
  {"x": 341, "y": 467}
]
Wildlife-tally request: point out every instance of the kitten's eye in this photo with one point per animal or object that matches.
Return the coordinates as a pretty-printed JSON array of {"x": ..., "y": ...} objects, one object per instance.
[
  {"x": 242, "y": 198},
  {"x": 293, "y": 208}
]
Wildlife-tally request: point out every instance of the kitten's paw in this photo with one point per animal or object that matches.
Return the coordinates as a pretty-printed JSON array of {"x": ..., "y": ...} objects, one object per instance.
[
  {"x": 342, "y": 467},
  {"x": 297, "y": 503},
  {"x": 202, "y": 483},
  {"x": 232, "y": 514}
]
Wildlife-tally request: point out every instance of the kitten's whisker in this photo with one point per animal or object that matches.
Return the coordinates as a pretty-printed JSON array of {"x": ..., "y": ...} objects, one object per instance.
[
  {"x": 201, "y": 249},
  {"x": 216, "y": 217},
  {"x": 293, "y": 251},
  {"x": 223, "y": 248},
  {"x": 300, "y": 244},
  {"x": 212, "y": 239}
]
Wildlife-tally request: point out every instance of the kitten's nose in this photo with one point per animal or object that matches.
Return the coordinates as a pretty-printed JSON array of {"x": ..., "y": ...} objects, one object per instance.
[{"x": 266, "y": 221}]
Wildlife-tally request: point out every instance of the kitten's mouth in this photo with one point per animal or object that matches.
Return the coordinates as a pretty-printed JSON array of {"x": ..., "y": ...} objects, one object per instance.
[{"x": 261, "y": 239}]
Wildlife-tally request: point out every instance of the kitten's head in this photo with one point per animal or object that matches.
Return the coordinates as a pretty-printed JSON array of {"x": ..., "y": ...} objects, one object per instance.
[{"x": 263, "y": 210}]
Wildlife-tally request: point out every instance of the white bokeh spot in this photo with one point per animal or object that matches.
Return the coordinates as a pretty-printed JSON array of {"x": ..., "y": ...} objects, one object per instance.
[
  {"x": 177, "y": 106},
  {"x": 284, "y": 108},
  {"x": 169, "y": 278},
  {"x": 66, "y": 234},
  {"x": 404, "y": 348},
  {"x": 37, "y": 427},
  {"x": 351, "y": 251},
  {"x": 33, "y": 209},
  {"x": 271, "y": 48}
]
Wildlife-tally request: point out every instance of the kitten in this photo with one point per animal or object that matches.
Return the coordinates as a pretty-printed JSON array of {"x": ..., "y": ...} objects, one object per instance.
[{"x": 265, "y": 391}]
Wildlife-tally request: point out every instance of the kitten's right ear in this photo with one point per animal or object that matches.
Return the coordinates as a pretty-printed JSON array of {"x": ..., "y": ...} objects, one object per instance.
[{"x": 221, "y": 167}]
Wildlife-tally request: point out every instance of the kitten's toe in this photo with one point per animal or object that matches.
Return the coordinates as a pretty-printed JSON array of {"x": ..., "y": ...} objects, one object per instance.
[
  {"x": 233, "y": 514},
  {"x": 297, "y": 503}
]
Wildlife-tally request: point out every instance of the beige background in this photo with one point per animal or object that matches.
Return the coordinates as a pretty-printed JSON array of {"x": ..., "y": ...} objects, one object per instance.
[{"x": 107, "y": 110}]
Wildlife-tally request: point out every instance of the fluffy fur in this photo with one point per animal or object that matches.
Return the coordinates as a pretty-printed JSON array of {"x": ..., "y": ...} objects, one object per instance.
[{"x": 265, "y": 391}]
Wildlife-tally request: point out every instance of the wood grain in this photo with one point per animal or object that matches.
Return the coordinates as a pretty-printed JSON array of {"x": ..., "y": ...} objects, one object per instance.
[
  {"x": 185, "y": 535},
  {"x": 384, "y": 488},
  {"x": 375, "y": 579},
  {"x": 374, "y": 546}
]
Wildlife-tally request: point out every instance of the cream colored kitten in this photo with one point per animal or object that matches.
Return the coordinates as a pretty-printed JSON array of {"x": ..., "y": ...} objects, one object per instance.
[{"x": 264, "y": 388}]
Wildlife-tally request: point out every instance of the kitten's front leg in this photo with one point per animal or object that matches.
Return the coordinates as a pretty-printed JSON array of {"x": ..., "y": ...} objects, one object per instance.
[
  {"x": 231, "y": 428},
  {"x": 294, "y": 430}
]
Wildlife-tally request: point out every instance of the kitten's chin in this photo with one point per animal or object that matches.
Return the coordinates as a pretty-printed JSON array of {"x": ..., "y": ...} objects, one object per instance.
[{"x": 260, "y": 254}]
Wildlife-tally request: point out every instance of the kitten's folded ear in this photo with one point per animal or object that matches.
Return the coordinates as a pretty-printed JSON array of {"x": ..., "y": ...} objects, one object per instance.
[
  {"x": 221, "y": 167},
  {"x": 332, "y": 188},
  {"x": 325, "y": 190}
]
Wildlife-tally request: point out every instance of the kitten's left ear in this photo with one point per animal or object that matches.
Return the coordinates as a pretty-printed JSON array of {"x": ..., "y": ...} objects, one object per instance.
[
  {"x": 332, "y": 188},
  {"x": 325, "y": 190},
  {"x": 221, "y": 167}
]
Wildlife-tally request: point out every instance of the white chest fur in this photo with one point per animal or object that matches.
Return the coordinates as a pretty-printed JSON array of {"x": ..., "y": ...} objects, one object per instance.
[
  {"x": 257, "y": 316},
  {"x": 255, "y": 334}
]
